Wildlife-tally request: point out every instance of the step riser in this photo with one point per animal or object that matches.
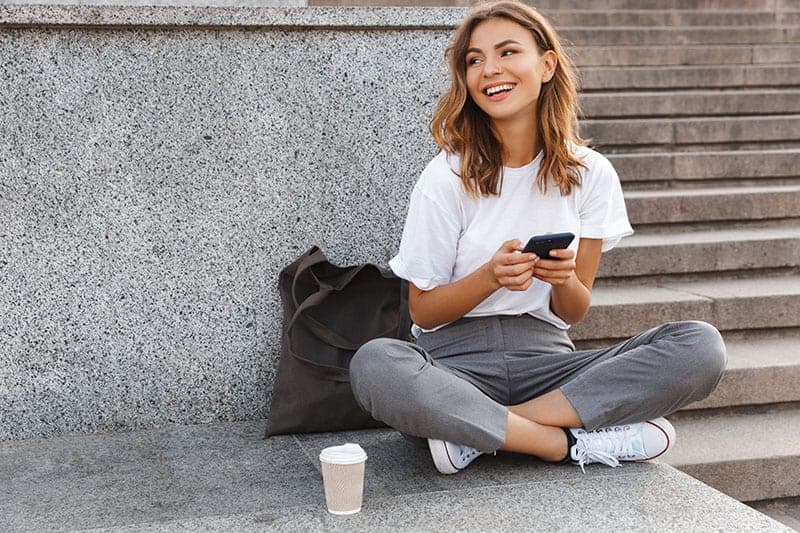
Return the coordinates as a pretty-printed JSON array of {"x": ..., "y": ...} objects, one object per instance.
[
  {"x": 700, "y": 257},
  {"x": 664, "y": 210},
  {"x": 647, "y": 78},
  {"x": 666, "y": 18},
  {"x": 754, "y": 386},
  {"x": 706, "y": 5},
  {"x": 692, "y": 131},
  {"x": 706, "y": 165},
  {"x": 751, "y": 480},
  {"x": 622, "y": 321},
  {"x": 679, "y": 36},
  {"x": 596, "y": 105},
  {"x": 683, "y": 55}
]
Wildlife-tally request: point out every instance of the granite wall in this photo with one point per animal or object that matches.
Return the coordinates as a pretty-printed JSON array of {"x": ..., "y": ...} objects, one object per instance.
[{"x": 159, "y": 166}]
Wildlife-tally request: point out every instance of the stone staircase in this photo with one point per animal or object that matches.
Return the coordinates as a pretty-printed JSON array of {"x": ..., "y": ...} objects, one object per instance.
[
  {"x": 696, "y": 104},
  {"x": 697, "y": 107}
]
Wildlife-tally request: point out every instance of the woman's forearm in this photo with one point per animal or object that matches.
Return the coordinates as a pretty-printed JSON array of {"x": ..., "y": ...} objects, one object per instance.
[
  {"x": 447, "y": 303},
  {"x": 571, "y": 300}
]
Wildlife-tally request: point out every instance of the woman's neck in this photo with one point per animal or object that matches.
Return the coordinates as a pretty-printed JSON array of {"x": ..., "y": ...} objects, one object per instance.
[{"x": 520, "y": 141}]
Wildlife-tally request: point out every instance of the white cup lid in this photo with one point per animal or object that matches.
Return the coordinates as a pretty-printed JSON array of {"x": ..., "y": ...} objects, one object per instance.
[{"x": 346, "y": 454}]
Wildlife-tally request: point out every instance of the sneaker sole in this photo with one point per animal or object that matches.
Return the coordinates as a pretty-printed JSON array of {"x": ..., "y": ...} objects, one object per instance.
[{"x": 441, "y": 457}]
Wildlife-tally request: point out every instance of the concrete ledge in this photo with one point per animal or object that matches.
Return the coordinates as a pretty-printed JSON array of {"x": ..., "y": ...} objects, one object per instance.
[
  {"x": 703, "y": 251},
  {"x": 224, "y": 477},
  {"x": 713, "y": 204},
  {"x": 619, "y": 312},
  {"x": 240, "y": 17},
  {"x": 747, "y": 453},
  {"x": 763, "y": 368},
  {"x": 692, "y": 103},
  {"x": 153, "y": 182}
]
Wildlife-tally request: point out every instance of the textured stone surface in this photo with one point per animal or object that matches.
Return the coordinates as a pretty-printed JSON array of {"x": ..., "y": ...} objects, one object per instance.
[
  {"x": 693, "y": 130},
  {"x": 689, "y": 77},
  {"x": 727, "y": 303},
  {"x": 204, "y": 15},
  {"x": 224, "y": 477},
  {"x": 702, "y": 251},
  {"x": 763, "y": 367},
  {"x": 749, "y": 454},
  {"x": 785, "y": 510},
  {"x": 621, "y": 104},
  {"x": 660, "y": 17},
  {"x": 151, "y": 187},
  {"x": 712, "y": 204},
  {"x": 187, "y": 3},
  {"x": 708, "y": 5},
  {"x": 707, "y": 165}
]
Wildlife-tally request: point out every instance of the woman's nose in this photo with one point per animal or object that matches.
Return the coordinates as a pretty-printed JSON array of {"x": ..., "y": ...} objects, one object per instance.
[{"x": 491, "y": 67}]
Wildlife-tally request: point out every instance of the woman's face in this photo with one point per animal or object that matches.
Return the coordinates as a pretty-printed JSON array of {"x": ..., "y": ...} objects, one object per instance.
[{"x": 505, "y": 70}]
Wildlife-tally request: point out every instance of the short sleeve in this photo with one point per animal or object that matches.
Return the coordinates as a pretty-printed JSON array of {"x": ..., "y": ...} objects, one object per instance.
[
  {"x": 602, "y": 206},
  {"x": 428, "y": 247}
]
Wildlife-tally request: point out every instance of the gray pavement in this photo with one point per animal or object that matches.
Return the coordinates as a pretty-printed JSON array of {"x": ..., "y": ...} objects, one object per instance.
[{"x": 225, "y": 477}]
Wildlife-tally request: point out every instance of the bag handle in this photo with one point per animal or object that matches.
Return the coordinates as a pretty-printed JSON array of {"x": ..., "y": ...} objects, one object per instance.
[
  {"x": 324, "y": 333},
  {"x": 313, "y": 257}
]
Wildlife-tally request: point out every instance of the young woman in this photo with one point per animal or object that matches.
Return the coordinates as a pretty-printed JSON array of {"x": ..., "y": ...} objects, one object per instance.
[{"x": 492, "y": 367}]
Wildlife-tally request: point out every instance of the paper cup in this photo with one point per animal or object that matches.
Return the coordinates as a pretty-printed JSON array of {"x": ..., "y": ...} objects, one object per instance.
[{"x": 343, "y": 477}]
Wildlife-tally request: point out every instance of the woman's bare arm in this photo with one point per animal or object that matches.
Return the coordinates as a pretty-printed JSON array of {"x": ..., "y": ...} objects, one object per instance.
[
  {"x": 508, "y": 268},
  {"x": 572, "y": 279}
]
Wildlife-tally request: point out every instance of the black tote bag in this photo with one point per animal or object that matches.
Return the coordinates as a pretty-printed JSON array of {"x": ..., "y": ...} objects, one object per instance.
[{"x": 328, "y": 313}]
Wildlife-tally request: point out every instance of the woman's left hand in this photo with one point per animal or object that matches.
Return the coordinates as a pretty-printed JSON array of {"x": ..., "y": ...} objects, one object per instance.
[{"x": 556, "y": 271}]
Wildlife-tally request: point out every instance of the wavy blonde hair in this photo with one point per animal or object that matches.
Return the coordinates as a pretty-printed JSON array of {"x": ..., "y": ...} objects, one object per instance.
[{"x": 460, "y": 127}]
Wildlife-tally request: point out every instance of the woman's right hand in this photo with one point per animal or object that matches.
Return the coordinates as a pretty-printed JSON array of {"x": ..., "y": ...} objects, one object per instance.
[{"x": 512, "y": 269}]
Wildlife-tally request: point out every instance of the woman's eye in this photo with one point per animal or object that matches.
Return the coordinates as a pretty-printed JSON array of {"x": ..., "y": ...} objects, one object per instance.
[
  {"x": 473, "y": 61},
  {"x": 506, "y": 53}
]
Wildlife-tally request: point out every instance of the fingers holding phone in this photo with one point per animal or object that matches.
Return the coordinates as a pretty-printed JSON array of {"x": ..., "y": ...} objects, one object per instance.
[
  {"x": 511, "y": 268},
  {"x": 559, "y": 269}
]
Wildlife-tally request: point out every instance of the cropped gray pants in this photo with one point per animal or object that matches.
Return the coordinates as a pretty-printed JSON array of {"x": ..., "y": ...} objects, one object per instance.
[{"x": 454, "y": 383}]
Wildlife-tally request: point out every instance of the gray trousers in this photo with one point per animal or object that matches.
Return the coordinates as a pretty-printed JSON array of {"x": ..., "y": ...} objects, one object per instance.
[{"x": 454, "y": 383}]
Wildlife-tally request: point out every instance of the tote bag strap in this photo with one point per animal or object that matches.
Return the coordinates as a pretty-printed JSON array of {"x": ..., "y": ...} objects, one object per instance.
[
  {"x": 313, "y": 257},
  {"x": 325, "y": 334}
]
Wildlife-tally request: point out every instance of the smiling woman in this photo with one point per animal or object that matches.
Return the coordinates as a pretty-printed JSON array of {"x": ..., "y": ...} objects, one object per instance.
[
  {"x": 506, "y": 46},
  {"x": 492, "y": 367}
]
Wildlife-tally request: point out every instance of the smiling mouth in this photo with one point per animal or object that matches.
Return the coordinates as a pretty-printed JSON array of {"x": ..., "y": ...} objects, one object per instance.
[{"x": 497, "y": 89}]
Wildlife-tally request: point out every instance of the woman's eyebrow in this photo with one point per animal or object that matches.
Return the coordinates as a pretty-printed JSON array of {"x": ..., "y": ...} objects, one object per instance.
[{"x": 498, "y": 45}]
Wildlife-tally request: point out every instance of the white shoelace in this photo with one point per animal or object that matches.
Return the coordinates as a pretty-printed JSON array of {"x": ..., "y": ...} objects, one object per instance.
[{"x": 604, "y": 447}]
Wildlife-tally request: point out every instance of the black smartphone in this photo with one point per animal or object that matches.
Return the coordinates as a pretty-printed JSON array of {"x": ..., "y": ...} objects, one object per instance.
[{"x": 542, "y": 244}]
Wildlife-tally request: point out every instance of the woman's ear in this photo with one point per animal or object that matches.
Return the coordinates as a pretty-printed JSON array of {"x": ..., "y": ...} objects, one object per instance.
[{"x": 550, "y": 62}]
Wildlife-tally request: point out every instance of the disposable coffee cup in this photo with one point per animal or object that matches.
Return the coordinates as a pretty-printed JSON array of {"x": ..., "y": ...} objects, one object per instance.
[{"x": 343, "y": 477}]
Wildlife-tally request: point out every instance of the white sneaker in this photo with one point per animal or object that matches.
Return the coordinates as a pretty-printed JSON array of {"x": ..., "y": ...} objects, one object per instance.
[
  {"x": 451, "y": 458},
  {"x": 630, "y": 442}
]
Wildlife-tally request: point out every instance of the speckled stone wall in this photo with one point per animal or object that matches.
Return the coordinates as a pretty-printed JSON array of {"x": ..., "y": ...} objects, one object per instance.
[{"x": 154, "y": 180}]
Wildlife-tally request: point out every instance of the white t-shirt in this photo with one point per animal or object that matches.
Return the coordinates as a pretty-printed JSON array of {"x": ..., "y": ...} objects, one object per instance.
[{"x": 448, "y": 234}]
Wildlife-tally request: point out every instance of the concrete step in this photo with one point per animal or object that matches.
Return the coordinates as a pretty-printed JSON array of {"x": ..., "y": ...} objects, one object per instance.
[
  {"x": 749, "y": 454},
  {"x": 592, "y": 18},
  {"x": 723, "y": 5},
  {"x": 680, "y": 131},
  {"x": 703, "y": 251},
  {"x": 691, "y": 103},
  {"x": 763, "y": 368},
  {"x": 784, "y": 510},
  {"x": 225, "y": 477},
  {"x": 707, "y": 165},
  {"x": 627, "y": 36},
  {"x": 713, "y": 204},
  {"x": 609, "y": 56},
  {"x": 729, "y": 303},
  {"x": 689, "y": 77}
]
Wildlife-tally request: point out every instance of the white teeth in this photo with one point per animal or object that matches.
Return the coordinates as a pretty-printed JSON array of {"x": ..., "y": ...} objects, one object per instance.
[{"x": 494, "y": 90}]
